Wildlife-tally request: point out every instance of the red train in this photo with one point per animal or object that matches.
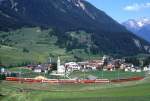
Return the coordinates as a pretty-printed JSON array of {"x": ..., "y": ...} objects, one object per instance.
[
  {"x": 54, "y": 81},
  {"x": 71, "y": 81}
]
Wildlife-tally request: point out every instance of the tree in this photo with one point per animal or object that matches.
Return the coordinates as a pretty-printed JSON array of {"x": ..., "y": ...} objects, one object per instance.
[
  {"x": 2, "y": 77},
  {"x": 54, "y": 66},
  {"x": 0, "y": 61},
  {"x": 146, "y": 61},
  {"x": 132, "y": 60},
  {"x": 25, "y": 50}
]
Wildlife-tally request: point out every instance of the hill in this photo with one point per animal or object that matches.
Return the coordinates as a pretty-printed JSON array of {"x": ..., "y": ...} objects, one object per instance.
[
  {"x": 80, "y": 30},
  {"x": 30, "y": 45}
]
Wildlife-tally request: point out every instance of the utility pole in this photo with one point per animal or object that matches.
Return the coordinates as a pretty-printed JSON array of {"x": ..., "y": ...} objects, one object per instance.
[
  {"x": 118, "y": 75},
  {"x": 20, "y": 74},
  {"x": 102, "y": 74},
  {"x": 84, "y": 71}
]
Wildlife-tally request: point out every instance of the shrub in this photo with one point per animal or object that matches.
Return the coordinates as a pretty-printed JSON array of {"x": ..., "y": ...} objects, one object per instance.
[
  {"x": 2, "y": 77},
  {"x": 25, "y": 50}
]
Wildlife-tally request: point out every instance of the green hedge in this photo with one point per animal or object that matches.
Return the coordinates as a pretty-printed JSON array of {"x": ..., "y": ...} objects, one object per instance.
[{"x": 2, "y": 77}]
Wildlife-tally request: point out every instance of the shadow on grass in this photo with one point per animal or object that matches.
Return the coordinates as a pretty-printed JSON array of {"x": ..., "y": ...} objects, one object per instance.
[{"x": 1, "y": 97}]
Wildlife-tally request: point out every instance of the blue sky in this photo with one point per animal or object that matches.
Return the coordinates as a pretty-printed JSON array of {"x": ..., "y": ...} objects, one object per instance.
[{"x": 122, "y": 10}]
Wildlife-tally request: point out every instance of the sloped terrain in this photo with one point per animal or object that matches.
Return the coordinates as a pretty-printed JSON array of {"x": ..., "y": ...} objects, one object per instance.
[{"x": 80, "y": 28}]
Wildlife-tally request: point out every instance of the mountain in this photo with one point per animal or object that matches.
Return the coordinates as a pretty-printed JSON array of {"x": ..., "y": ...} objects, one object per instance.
[
  {"x": 140, "y": 27},
  {"x": 62, "y": 27},
  {"x": 61, "y": 14}
]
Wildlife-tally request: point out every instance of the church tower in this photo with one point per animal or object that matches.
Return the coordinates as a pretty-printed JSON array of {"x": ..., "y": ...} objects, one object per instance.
[{"x": 58, "y": 65}]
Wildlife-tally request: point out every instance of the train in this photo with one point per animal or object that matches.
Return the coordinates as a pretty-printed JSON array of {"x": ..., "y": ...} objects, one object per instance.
[
  {"x": 71, "y": 81},
  {"x": 54, "y": 81}
]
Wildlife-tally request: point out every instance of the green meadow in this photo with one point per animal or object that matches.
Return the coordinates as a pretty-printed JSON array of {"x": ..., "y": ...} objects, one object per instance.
[
  {"x": 29, "y": 45},
  {"x": 107, "y": 74}
]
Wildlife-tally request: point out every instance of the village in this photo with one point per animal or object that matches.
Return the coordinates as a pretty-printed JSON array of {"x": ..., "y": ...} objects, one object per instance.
[{"x": 104, "y": 64}]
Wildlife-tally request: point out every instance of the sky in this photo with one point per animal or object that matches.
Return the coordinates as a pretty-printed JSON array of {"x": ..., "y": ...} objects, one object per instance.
[{"x": 122, "y": 10}]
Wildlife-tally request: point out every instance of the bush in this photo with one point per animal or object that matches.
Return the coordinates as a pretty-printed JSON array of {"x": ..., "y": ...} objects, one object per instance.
[
  {"x": 2, "y": 77},
  {"x": 25, "y": 50},
  {"x": 54, "y": 66}
]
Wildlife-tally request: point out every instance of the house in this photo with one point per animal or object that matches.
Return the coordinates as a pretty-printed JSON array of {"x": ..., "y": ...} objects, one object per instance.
[
  {"x": 94, "y": 65},
  {"x": 2, "y": 70},
  {"x": 123, "y": 67},
  {"x": 133, "y": 70},
  {"x": 40, "y": 68},
  {"x": 90, "y": 67},
  {"x": 138, "y": 70},
  {"x": 126, "y": 69},
  {"x": 110, "y": 66},
  {"x": 71, "y": 66},
  {"x": 37, "y": 70},
  {"x": 145, "y": 69}
]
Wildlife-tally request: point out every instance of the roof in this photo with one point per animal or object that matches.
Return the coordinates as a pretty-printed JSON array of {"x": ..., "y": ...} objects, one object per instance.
[{"x": 1, "y": 65}]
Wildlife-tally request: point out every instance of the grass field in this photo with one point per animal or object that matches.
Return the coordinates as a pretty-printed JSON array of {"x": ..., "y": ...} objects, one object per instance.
[
  {"x": 20, "y": 69},
  {"x": 107, "y": 74},
  {"x": 27, "y": 73},
  {"x": 29, "y": 45},
  {"x": 130, "y": 91}
]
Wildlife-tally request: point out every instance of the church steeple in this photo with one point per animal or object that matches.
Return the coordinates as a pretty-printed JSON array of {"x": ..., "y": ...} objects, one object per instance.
[{"x": 58, "y": 64}]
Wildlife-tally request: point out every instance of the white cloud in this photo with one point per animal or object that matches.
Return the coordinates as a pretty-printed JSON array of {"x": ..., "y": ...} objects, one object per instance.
[{"x": 137, "y": 7}]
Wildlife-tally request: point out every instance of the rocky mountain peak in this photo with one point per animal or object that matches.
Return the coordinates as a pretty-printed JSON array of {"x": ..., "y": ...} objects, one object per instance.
[{"x": 140, "y": 27}]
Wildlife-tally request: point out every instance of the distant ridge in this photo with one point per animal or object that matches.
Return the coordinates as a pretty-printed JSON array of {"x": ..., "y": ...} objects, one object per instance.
[{"x": 140, "y": 27}]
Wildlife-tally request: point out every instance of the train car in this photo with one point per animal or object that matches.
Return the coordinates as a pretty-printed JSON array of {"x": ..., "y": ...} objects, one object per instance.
[
  {"x": 12, "y": 79},
  {"x": 51, "y": 81},
  {"x": 68, "y": 81},
  {"x": 102, "y": 81},
  {"x": 86, "y": 81},
  {"x": 32, "y": 80}
]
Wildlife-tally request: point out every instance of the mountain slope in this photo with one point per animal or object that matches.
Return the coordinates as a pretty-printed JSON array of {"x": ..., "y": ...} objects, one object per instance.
[
  {"x": 77, "y": 25},
  {"x": 62, "y": 14},
  {"x": 140, "y": 27},
  {"x": 30, "y": 45},
  {"x": 145, "y": 32}
]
